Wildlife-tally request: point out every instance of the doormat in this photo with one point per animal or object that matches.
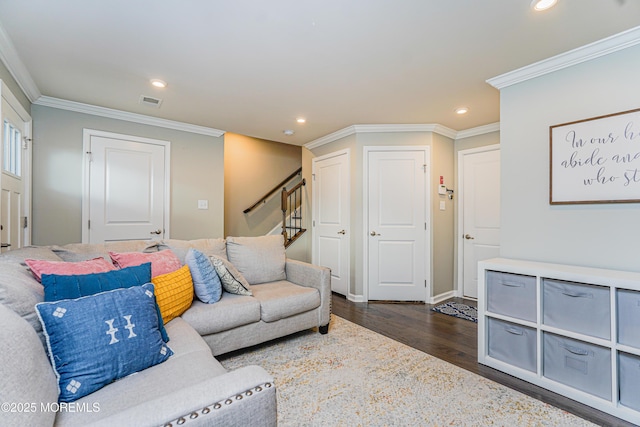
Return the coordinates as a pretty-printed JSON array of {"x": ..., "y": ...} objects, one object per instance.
[{"x": 457, "y": 309}]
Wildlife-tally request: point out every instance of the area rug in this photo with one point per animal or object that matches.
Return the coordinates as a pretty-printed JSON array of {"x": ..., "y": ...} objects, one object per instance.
[
  {"x": 457, "y": 309},
  {"x": 355, "y": 377}
]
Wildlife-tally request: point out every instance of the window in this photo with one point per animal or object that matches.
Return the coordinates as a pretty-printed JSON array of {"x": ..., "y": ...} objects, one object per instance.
[{"x": 12, "y": 159}]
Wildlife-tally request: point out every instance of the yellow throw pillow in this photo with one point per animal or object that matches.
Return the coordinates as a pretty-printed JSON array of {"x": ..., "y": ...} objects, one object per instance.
[{"x": 174, "y": 292}]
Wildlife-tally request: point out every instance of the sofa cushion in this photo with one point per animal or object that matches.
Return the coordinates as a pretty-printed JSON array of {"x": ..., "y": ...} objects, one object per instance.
[
  {"x": 206, "y": 283},
  {"x": 190, "y": 364},
  {"x": 185, "y": 339},
  {"x": 228, "y": 313},
  {"x": 26, "y": 374},
  {"x": 260, "y": 259},
  {"x": 146, "y": 246},
  {"x": 83, "y": 251},
  {"x": 39, "y": 267},
  {"x": 68, "y": 287},
  {"x": 29, "y": 252},
  {"x": 174, "y": 292},
  {"x": 208, "y": 247},
  {"x": 282, "y": 299},
  {"x": 231, "y": 279},
  {"x": 97, "y": 339},
  {"x": 162, "y": 262},
  {"x": 20, "y": 292}
]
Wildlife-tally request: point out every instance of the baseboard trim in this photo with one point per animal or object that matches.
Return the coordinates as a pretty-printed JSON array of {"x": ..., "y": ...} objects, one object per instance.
[
  {"x": 356, "y": 298},
  {"x": 441, "y": 297}
]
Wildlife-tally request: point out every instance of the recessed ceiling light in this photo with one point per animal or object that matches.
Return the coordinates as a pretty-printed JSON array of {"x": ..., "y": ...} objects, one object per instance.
[
  {"x": 301, "y": 120},
  {"x": 539, "y": 5},
  {"x": 158, "y": 83},
  {"x": 462, "y": 110},
  {"x": 288, "y": 132}
]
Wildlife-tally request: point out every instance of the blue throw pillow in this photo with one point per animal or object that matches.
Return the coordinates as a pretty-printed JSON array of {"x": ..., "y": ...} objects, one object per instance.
[
  {"x": 97, "y": 339},
  {"x": 206, "y": 282},
  {"x": 58, "y": 287}
]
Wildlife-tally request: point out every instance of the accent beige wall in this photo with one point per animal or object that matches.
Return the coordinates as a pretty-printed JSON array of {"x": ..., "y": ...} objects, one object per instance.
[
  {"x": 252, "y": 167},
  {"x": 196, "y": 173}
]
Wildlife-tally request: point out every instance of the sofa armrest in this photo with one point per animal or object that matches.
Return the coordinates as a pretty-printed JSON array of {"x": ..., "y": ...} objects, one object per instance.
[
  {"x": 313, "y": 276},
  {"x": 246, "y": 396}
]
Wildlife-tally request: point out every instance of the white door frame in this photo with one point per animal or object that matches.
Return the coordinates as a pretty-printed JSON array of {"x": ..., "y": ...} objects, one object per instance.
[
  {"x": 365, "y": 214},
  {"x": 86, "y": 141},
  {"x": 314, "y": 236},
  {"x": 459, "y": 291},
  {"x": 27, "y": 160}
]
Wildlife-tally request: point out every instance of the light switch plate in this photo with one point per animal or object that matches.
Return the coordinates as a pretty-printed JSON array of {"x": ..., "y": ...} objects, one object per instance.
[{"x": 203, "y": 204}]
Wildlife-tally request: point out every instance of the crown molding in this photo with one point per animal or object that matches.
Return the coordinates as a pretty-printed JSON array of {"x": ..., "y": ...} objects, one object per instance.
[
  {"x": 442, "y": 130},
  {"x": 327, "y": 139},
  {"x": 435, "y": 128},
  {"x": 573, "y": 57},
  {"x": 10, "y": 58},
  {"x": 79, "y": 107},
  {"x": 480, "y": 130},
  {"x": 382, "y": 128}
]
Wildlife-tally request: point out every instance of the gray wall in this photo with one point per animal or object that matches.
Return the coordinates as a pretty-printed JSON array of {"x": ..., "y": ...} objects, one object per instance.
[
  {"x": 443, "y": 221},
  {"x": 597, "y": 235},
  {"x": 197, "y": 172},
  {"x": 441, "y": 151},
  {"x": 8, "y": 80}
]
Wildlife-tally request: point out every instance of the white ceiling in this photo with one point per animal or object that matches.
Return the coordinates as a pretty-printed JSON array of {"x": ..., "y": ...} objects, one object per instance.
[{"x": 252, "y": 67}]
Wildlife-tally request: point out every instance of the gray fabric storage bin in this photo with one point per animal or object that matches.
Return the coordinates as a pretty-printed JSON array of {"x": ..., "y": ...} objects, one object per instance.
[
  {"x": 628, "y": 317},
  {"x": 578, "y": 364},
  {"x": 629, "y": 380},
  {"x": 577, "y": 307},
  {"x": 511, "y": 295},
  {"x": 513, "y": 344}
]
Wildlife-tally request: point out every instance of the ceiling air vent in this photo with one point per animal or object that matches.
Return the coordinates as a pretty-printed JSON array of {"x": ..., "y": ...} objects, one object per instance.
[{"x": 150, "y": 101}]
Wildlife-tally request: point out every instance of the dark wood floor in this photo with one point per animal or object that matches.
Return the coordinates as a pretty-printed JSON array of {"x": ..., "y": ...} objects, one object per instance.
[{"x": 451, "y": 339}]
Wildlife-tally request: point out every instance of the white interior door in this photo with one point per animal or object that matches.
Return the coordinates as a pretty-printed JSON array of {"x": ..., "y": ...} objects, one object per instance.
[
  {"x": 396, "y": 224},
  {"x": 15, "y": 177},
  {"x": 480, "y": 211},
  {"x": 331, "y": 231},
  {"x": 127, "y": 188}
]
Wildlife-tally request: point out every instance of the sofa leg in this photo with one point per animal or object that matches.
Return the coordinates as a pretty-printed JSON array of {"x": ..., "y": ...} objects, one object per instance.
[{"x": 324, "y": 329}]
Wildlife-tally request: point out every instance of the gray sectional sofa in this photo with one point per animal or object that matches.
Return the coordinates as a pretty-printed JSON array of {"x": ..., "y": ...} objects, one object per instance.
[{"x": 191, "y": 387}]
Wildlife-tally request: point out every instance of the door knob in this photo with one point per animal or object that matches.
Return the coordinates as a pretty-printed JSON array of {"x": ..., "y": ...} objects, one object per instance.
[
  {"x": 468, "y": 237},
  {"x": 373, "y": 233},
  {"x": 342, "y": 232},
  {"x": 158, "y": 231}
]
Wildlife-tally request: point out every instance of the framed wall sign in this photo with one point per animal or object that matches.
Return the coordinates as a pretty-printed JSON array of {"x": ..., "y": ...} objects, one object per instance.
[{"x": 596, "y": 160}]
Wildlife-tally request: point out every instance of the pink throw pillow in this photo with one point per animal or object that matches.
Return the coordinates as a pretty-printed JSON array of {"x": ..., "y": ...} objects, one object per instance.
[
  {"x": 39, "y": 267},
  {"x": 162, "y": 262}
]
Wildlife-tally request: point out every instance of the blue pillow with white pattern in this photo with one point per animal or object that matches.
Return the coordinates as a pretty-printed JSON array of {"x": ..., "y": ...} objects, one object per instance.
[
  {"x": 97, "y": 339},
  {"x": 206, "y": 283},
  {"x": 57, "y": 287}
]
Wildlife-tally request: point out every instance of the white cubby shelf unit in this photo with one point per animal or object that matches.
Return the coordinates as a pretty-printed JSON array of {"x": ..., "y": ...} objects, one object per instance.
[{"x": 570, "y": 329}]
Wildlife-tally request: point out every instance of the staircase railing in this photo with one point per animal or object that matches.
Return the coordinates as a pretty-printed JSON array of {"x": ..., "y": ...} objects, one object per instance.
[
  {"x": 274, "y": 190},
  {"x": 291, "y": 206}
]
